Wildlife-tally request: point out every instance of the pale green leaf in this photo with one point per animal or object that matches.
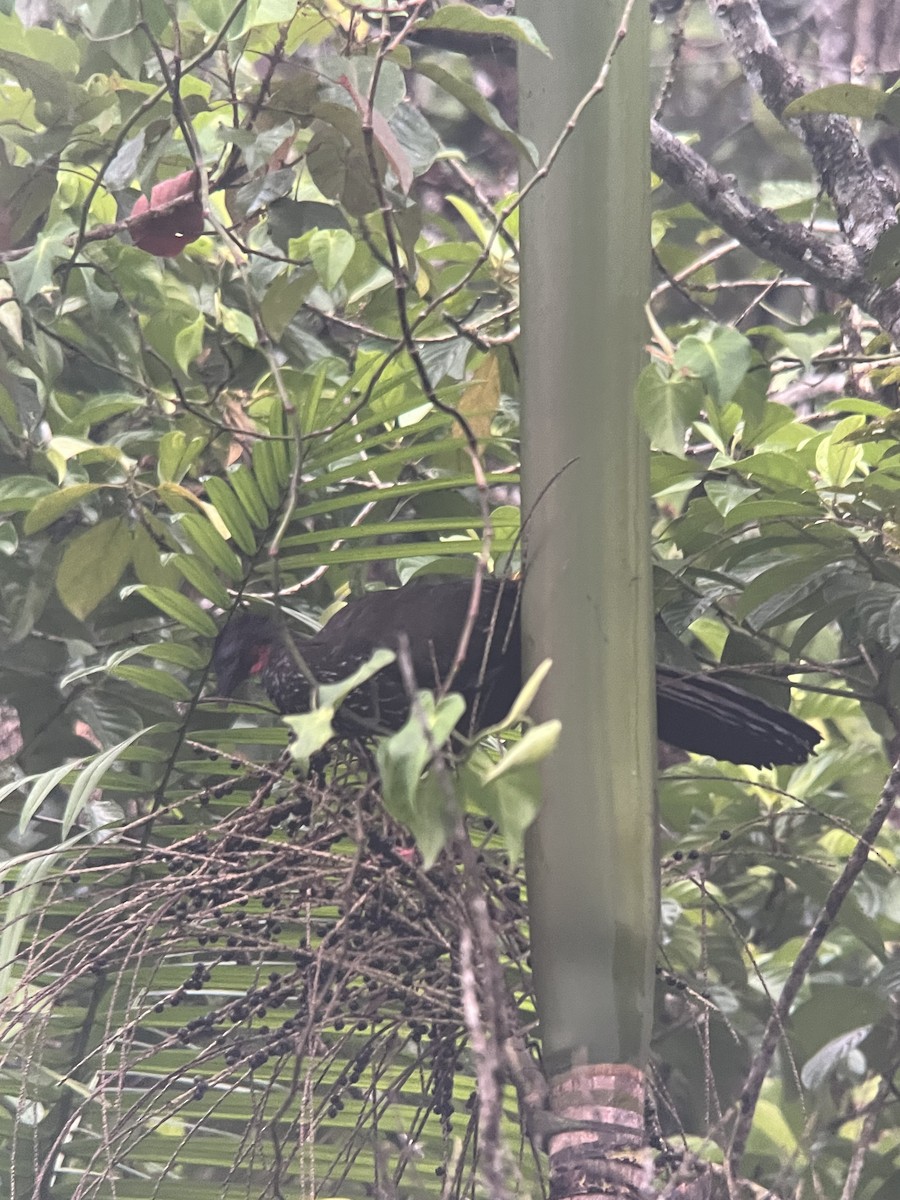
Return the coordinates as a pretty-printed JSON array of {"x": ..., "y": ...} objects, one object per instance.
[
  {"x": 849, "y": 99},
  {"x": 23, "y": 894},
  {"x": 91, "y": 777},
  {"x": 333, "y": 694},
  {"x": 198, "y": 574},
  {"x": 331, "y": 251},
  {"x": 9, "y": 539},
  {"x": 522, "y": 703},
  {"x": 92, "y": 565},
  {"x": 720, "y": 358},
  {"x": 35, "y": 271},
  {"x": 667, "y": 407},
  {"x": 311, "y": 731},
  {"x": 534, "y": 746},
  {"x": 50, "y": 508}
]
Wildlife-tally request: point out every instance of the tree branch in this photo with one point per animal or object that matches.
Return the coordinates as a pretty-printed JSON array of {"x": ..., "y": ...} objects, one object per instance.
[
  {"x": 864, "y": 202},
  {"x": 794, "y": 247},
  {"x": 824, "y": 921}
]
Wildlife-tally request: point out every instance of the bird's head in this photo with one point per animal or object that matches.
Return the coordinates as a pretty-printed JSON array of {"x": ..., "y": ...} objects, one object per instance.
[{"x": 242, "y": 649}]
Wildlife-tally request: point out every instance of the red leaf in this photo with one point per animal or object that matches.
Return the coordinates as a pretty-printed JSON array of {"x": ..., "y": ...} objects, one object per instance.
[{"x": 166, "y": 233}]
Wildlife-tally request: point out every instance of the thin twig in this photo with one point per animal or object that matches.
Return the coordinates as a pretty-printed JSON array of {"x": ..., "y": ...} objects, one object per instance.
[{"x": 750, "y": 1092}]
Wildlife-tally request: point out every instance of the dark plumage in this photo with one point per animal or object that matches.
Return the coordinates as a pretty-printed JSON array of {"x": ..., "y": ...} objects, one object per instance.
[{"x": 697, "y": 712}]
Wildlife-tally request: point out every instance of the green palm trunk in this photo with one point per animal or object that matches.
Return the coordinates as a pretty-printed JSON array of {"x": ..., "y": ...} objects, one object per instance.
[{"x": 591, "y": 856}]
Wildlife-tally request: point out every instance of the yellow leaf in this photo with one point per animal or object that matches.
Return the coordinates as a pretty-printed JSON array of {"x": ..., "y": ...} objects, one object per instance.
[{"x": 481, "y": 399}]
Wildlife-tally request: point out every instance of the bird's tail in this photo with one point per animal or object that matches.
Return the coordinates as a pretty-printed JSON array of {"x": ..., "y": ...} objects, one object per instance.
[{"x": 700, "y": 713}]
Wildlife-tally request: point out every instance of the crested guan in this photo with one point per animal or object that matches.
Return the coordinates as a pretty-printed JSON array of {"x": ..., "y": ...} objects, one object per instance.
[{"x": 696, "y": 712}]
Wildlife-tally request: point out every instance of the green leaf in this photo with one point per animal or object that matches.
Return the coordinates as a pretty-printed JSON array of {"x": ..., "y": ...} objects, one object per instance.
[
  {"x": 247, "y": 491},
  {"x": 466, "y": 19},
  {"x": 522, "y": 703},
  {"x": 331, "y": 251},
  {"x": 770, "y": 1134},
  {"x": 850, "y": 99},
  {"x": 726, "y": 494},
  {"x": 9, "y": 415},
  {"x": 189, "y": 343},
  {"x": 223, "y": 16},
  {"x": 176, "y": 334},
  {"x": 667, "y": 408},
  {"x": 424, "y": 806},
  {"x": 230, "y": 509},
  {"x": 92, "y": 565},
  {"x": 815, "y": 883},
  {"x": 472, "y": 218},
  {"x": 147, "y": 558},
  {"x": 402, "y": 757},
  {"x": 855, "y": 404},
  {"x": 535, "y": 745},
  {"x": 470, "y": 97},
  {"x": 207, "y": 540},
  {"x": 401, "y": 760},
  {"x": 177, "y": 455},
  {"x": 50, "y": 508},
  {"x": 60, "y": 450},
  {"x": 774, "y": 468},
  {"x": 333, "y": 694},
  {"x": 42, "y": 785},
  {"x": 189, "y": 657},
  {"x": 818, "y": 1069},
  {"x": 431, "y": 819},
  {"x": 30, "y": 875},
  {"x": 720, "y": 357},
  {"x": 239, "y": 324},
  {"x": 280, "y": 443},
  {"x": 836, "y": 458},
  {"x": 19, "y": 494},
  {"x": 311, "y": 731},
  {"x": 153, "y": 680},
  {"x": 417, "y": 139},
  {"x": 199, "y": 576},
  {"x": 90, "y": 778},
  {"x": 772, "y": 593},
  {"x": 173, "y": 604},
  {"x": 284, "y": 298},
  {"x": 311, "y": 388},
  {"x": 33, "y": 273},
  {"x": 265, "y": 474},
  {"x": 831, "y": 609},
  {"x": 168, "y": 652},
  {"x": 511, "y": 800}
]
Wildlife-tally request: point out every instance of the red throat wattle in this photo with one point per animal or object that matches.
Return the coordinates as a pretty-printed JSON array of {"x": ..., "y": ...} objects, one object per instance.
[{"x": 261, "y": 661}]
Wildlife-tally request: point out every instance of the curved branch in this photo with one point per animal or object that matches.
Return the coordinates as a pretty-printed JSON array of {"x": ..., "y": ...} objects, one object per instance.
[
  {"x": 832, "y": 265},
  {"x": 863, "y": 200},
  {"x": 786, "y": 244}
]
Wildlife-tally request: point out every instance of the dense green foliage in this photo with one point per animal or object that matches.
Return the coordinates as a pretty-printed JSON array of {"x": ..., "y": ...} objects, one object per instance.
[{"x": 207, "y": 956}]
